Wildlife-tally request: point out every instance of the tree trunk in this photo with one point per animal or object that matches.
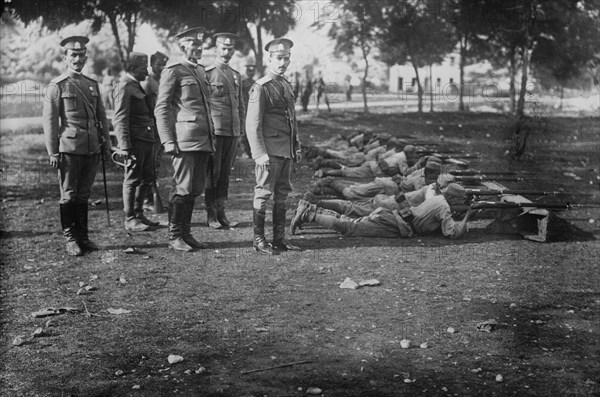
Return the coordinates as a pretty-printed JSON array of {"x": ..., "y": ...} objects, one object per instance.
[
  {"x": 463, "y": 53},
  {"x": 513, "y": 72},
  {"x": 364, "y": 82},
  {"x": 259, "y": 50},
  {"x": 115, "y": 29},
  {"x": 524, "y": 71},
  {"x": 419, "y": 87},
  {"x": 562, "y": 95},
  {"x": 430, "y": 90}
]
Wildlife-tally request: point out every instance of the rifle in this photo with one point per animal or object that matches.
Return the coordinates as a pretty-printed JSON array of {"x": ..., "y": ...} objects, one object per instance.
[
  {"x": 502, "y": 205},
  {"x": 474, "y": 179},
  {"x": 495, "y": 192},
  {"x": 476, "y": 172},
  {"x": 447, "y": 155}
]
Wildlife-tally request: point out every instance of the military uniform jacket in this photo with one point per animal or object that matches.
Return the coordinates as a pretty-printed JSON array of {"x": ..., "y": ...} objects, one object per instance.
[
  {"x": 150, "y": 86},
  {"x": 182, "y": 111},
  {"x": 133, "y": 118},
  {"x": 74, "y": 119},
  {"x": 271, "y": 124},
  {"x": 226, "y": 101}
]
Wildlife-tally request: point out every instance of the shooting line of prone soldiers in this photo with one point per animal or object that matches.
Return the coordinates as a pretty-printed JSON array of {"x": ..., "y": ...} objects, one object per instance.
[{"x": 198, "y": 116}]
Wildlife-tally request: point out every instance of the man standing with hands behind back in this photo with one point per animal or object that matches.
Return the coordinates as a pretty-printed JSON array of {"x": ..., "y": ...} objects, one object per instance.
[
  {"x": 76, "y": 132},
  {"x": 186, "y": 131},
  {"x": 272, "y": 132},
  {"x": 135, "y": 130},
  {"x": 228, "y": 112}
]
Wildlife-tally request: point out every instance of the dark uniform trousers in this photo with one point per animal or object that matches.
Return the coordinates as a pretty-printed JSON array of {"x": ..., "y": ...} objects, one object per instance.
[
  {"x": 189, "y": 176},
  {"x": 139, "y": 177},
  {"x": 76, "y": 176},
  {"x": 219, "y": 170}
]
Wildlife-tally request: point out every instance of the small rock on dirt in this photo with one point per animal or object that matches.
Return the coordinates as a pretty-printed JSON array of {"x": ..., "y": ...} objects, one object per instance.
[
  {"x": 174, "y": 359},
  {"x": 369, "y": 283},
  {"x": 348, "y": 283},
  {"x": 314, "y": 391}
]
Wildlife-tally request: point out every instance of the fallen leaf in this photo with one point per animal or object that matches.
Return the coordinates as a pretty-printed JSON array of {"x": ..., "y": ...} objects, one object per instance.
[
  {"x": 314, "y": 391},
  {"x": 261, "y": 329},
  {"x": 19, "y": 340},
  {"x": 122, "y": 280},
  {"x": 405, "y": 343},
  {"x": 424, "y": 345},
  {"x": 117, "y": 311},
  {"x": 451, "y": 330},
  {"x": 119, "y": 372},
  {"x": 499, "y": 378},
  {"x": 129, "y": 250},
  {"x": 487, "y": 326}
]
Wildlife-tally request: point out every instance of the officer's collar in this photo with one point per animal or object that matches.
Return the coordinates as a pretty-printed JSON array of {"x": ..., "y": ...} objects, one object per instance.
[
  {"x": 190, "y": 63},
  {"x": 220, "y": 64},
  {"x": 74, "y": 73},
  {"x": 132, "y": 78},
  {"x": 275, "y": 76}
]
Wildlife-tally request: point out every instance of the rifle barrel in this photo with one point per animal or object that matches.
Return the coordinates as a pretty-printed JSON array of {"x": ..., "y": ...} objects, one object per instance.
[{"x": 484, "y": 192}]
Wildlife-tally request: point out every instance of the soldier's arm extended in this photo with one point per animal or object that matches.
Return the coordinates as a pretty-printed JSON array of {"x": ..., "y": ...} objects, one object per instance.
[
  {"x": 450, "y": 227},
  {"x": 121, "y": 118},
  {"x": 254, "y": 131},
  {"x": 51, "y": 121},
  {"x": 164, "y": 112}
]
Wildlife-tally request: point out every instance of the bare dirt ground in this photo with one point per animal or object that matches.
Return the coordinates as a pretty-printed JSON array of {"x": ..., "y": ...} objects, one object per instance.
[{"x": 227, "y": 310}]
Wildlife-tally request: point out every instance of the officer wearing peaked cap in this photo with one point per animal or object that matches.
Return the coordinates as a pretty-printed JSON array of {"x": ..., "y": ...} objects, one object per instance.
[
  {"x": 228, "y": 114},
  {"x": 272, "y": 132},
  {"x": 135, "y": 130},
  {"x": 76, "y": 131},
  {"x": 186, "y": 131}
]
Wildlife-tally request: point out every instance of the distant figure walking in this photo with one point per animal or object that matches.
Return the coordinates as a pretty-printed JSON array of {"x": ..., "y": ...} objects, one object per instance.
[
  {"x": 306, "y": 92},
  {"x": 348, "y": 88},
  {"x": 321, "y": 87}
]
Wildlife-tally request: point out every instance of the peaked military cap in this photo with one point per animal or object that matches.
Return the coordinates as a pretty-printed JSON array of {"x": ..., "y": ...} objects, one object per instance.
[
  {"x": 138, "y": 59},
  {"x": 194, "y": 34},
  {"x": 456, "y": 190},
  {"x": 279, "y": 45},
  {"x": 226, "y": 38},
  {"x": 76, "y": 43}
]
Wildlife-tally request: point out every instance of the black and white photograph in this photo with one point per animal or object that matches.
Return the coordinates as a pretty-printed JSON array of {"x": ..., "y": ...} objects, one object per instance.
[{"x": 278, "y": 198}]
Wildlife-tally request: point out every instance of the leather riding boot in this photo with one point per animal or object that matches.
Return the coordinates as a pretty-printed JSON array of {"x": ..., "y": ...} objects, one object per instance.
[
  {"x": 280, "y": 243},
  {"x": 188, "y": 211},
  {"x": 260, "y": 244},
  {"x": 176, "y": 214},
  {"x": 67, "y": 221},
  {"x": 305, "y": 213},
  {"x": 221, "y": 217},
  {"x": 81, "y": 221},
  {"x": 140, "y": 194}
]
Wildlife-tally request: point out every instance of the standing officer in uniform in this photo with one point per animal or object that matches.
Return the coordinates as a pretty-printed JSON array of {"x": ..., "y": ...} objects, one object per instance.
[
  {"x": 134, "y": 126},
  {"x": 228, "y": 114},
  {"x": 247, "y": 84},
  {"x": 158, "y": 61},
  {"x": 273, "y": 136},
  {"x": 76, "y": 132},
  {"x": 186, "y": 131}
]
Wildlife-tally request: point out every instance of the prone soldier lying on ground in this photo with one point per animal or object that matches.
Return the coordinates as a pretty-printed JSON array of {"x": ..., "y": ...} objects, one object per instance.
[
  {"x": 389, "y": 163},
  {"x": 384, "y": 185},
  {"x": 431, "y": 215}
]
